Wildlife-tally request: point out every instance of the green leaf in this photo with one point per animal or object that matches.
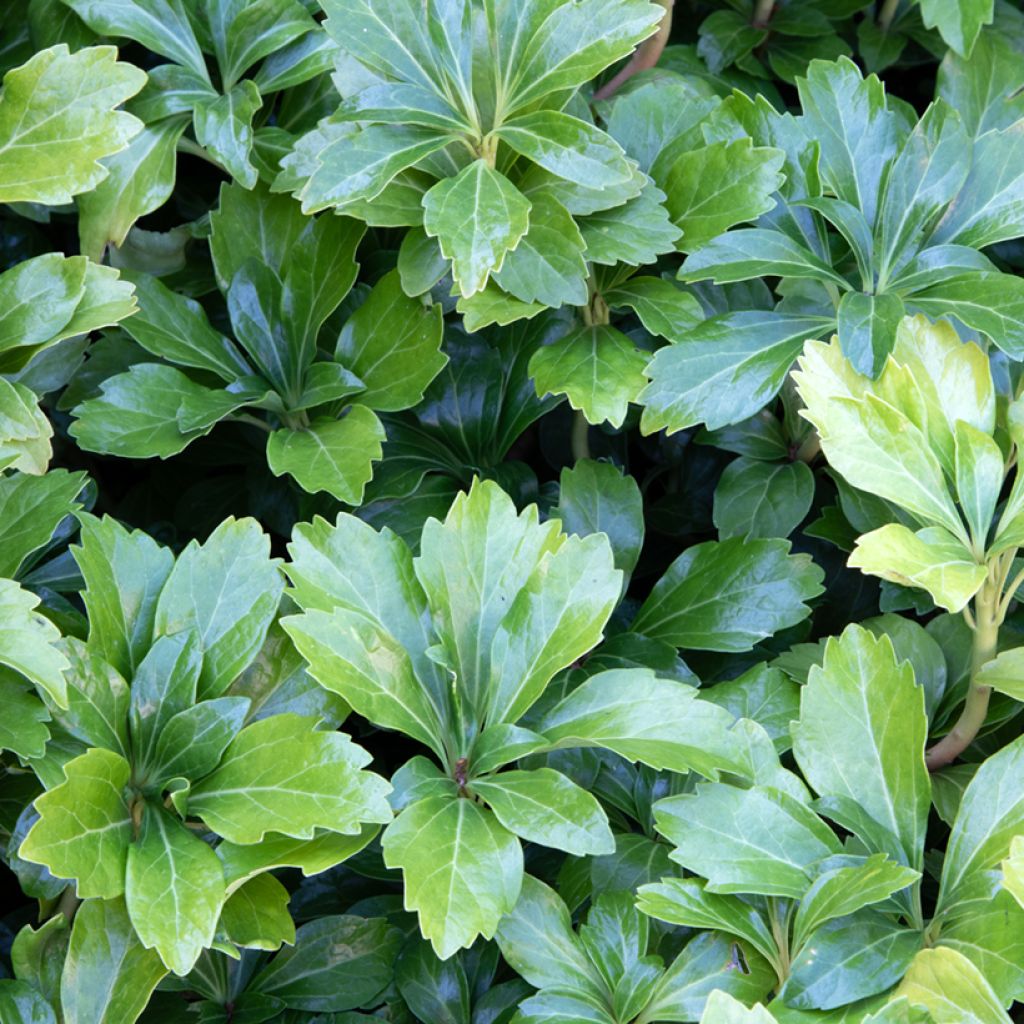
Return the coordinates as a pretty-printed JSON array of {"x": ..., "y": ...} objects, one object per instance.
[
  {"x": 660, "y": 722},
  {"x": 98, "y": 700},
  {"x": 84, "y": 828},
  {"x": 224, "y": 127},
  {"x": 435, "y": 990},
  {"x": 687, "y": 902},
  {"x": 124, "y": 573},
  {"x": 958, "y": 23},
  {"x": 991, "y": 814},
  {"x": 762, "y": 499},
  {"x": 25, "y": 431},
  {"x": 713, "y": 188},
  {"x": 849, "y": 959},
  {"x": 23, "y": 728},
  {"x": 721, "y": 1008},
  {"x": 192, "y": 742},
  {"x": 537, "y": 940},
  {"x": 281, "y": 774},
  {"x": 337, "y": 963},
  {"x": 982, "y": 88},
  {"x": 724, "y": 370},
  {"x": 27, "y": 641},
  {"x": 476, "y": 217},
  {"x": 598, "y": 368},
  {"x": 544, "y": 806},
  {"x": 636, "y": 232},
  {"x": 256, "y": 31},
  {"x": 556, "y": 617},
  {"x": 58, "y": 121},
  {"x": 597, "y": 497},
  {"x": 31, "y": 508},
  {"x": 756, "y": 840},
  {"x": 877, "y": 759},
  {"x": 845, "y": 890},
  {"x": 1005, "y": 673},
  {"x": 109, "y": 975},
  {"x": 857, "y": 132},
  {"x": 931, "y": 558},
  {"x": 1013, "y": 869},
  {"x": 952, "y": 988},
  {"x": 867, "y": 326},
  {"x": 332, "y": 455},
  {"x": 256, "y": 915},
  {"x": 174, "y": 890},
  {"x": 872, "y": 443},
  {"x": 660, "y": 306},
  {"x": 20, "y": 1003},
  {"x": 547, "y": 266},
  {"x": 392, "y": 343},
  {"x": 756, "y": 252},
  {"x": 461, "y": 869},
  {"x": 355, "y": 657},
  {"x": 177, "y": 329},
  {"x": 140, "y": 180},
  {"x": 568, "y": 147},
  {"x": 728, "y": 595}
]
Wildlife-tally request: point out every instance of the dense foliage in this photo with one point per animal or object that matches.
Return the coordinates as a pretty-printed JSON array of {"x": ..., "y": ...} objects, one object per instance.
[{"x": 511, "y": 511}]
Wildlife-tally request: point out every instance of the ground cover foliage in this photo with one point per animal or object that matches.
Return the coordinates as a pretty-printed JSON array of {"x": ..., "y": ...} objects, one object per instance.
[{"x": 510, "y": 511}]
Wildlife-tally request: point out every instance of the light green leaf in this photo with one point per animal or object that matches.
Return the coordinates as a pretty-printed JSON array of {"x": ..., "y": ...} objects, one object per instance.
[
  {"x": 756, "y": 840},
  {"x": 124, "y": 572},
  {"x": 355, "y": 657},
  {"x": 728, "y": 595},
  {"x": 392, "y": 343},
  {"x": 721, "y": 1008},
  {"x": 547, "y": 266},
  {"x": 224, "y": 127},
  {"x": 636, "y": 232},
  {"x": 537, "y": 940},
  {"x": 756, "y": 252},
  {"x": 58, "y": 121},
  {"x": 477, "y": 217},
  {"x": 659, "y": 722},
  {"x": 109, "y": 975},
  {"x": 762, "y": 499},
  {"x": 25, "y": 431},
  {"x": 462, "y": 870},
  {"x": 31, "y": 508},
  {"x": 256, "y": 915},
  {"x": 544, "y": 806},
  {"x": 952, "y": 988},
  {"x": 332, "y": 455},
  {"x": 845, "y": 890},
  {"x": 715, "y": 187},
  {"x": 84, "y": 828},
  {"x": 27, "y": 641},
  {"x": 98, "y": 700},
  {"x": 983, "y": 88},
  {"x": 979, "y": 478},
  {"x": 1005, "y": 673},
  {"x": 724, "y": 370},
  {"x": 877, "y": 758},
  {"x": 174, "y": 890},
  {"x": 281, "y": 774},
  {"x": 931, "y": 558},
  {"x": 568, "y": 147},
  {"x": 849, "y": 959},
  {"x": 139, "y": 180},
  {"x": 991, "y": 814},
  {"x": 191, "y": 743},
  {"x": 598, "y": 368},
  {"x": 176, "y": 328},
  {"x": 228, "y": 590},
  {"x": 1013, "y": 869},
  {"x": 556, "y": 617},
  {"x": 23, "y": 727},
  {"x": 959, "y": 21}
]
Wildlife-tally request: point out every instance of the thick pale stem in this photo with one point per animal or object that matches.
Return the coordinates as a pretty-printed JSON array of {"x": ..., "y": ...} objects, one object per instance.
[
  {"x": 987, "y": 616},
  {"x": 763, "y": 10},
  {"x": 887, "y": 13},
  {"x": 646, "y": 56},
  {"x": 580, "y": 437}
]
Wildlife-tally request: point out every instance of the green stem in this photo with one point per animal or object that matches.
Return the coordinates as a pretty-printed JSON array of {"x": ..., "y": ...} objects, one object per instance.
[
  {"x": 646, "y": 57},
  {"x": 186, "y": 145},
  {"x": 987, "y": 617},
  {"x": 253, "y": 421},
  {"x": 68, "y": 904},
  {"x": 580, "y": 437},
  {"x": 887, "y": 13}
]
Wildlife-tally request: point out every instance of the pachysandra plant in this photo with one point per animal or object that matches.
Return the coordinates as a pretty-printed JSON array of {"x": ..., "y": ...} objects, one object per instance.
[
  {"x": 283, "y": 275},
  {"x": 171, "y": 789},
  {"x": 454, "y": 650},
  {"x": 843, "y": 923},
  {"x": 924, "y": 436},
  {"x": 912, "y": 203}
]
